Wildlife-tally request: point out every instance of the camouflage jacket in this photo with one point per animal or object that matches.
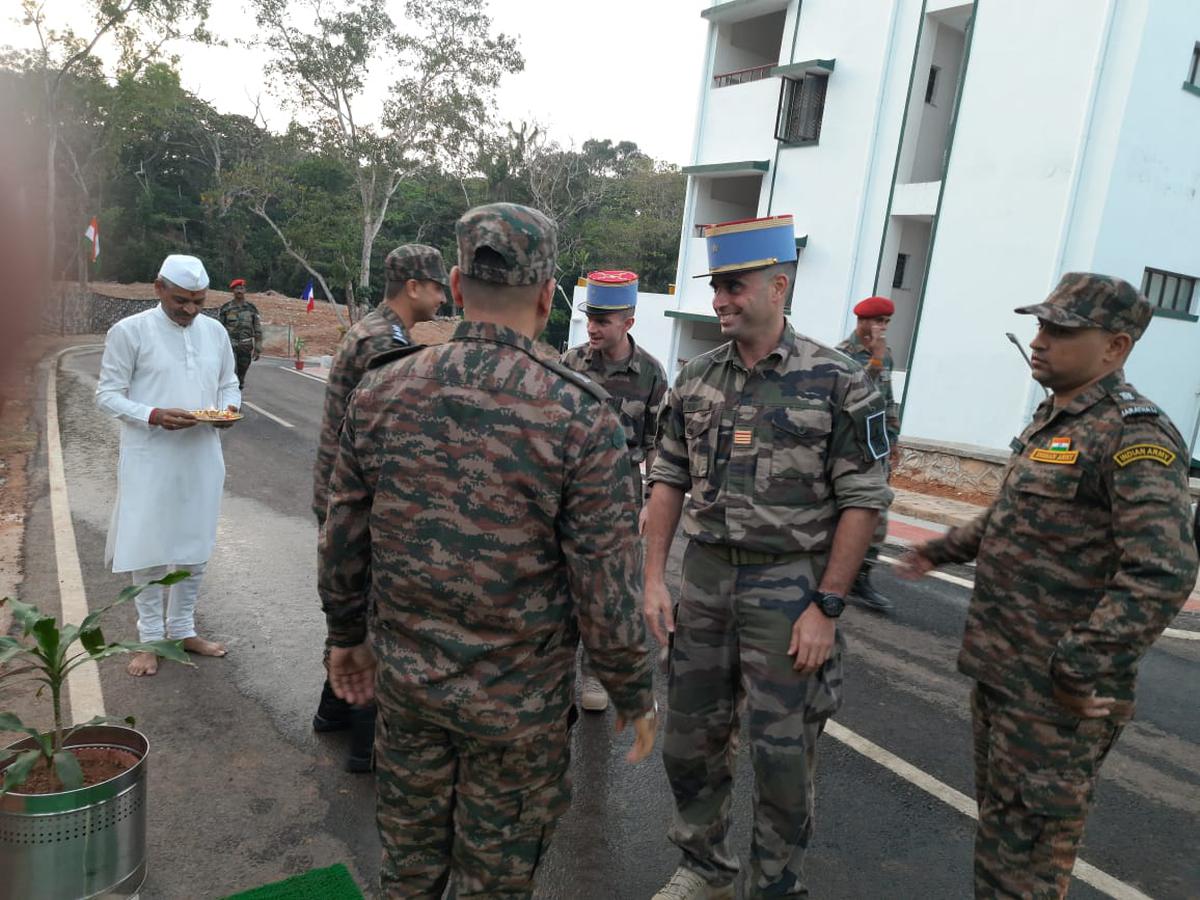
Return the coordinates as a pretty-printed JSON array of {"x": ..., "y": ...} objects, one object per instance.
[
  {"x": 475, "y": 511},
  {"x": 1085, "y": 556},
  {"x": 881, "y": 377},
  {"x": 379, "y": 330},
  {"x": 636, "y": 386},
  {"x": 772, "y": 455},
  {"x": 242, "y": 322}
]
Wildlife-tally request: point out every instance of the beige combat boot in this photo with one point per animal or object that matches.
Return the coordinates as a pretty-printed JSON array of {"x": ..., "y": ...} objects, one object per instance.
[
  {"x": 593, "y": 697},
  {"x": 688, "y": 885}
]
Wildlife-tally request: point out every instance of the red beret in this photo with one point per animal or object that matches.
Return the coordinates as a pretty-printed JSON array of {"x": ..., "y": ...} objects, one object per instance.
[
  {"x": 873, "y": 307},
  {"x": 238, "y": 282}
]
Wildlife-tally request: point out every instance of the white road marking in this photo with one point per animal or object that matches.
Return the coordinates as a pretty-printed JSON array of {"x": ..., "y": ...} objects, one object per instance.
[
  {"x": 271, "y": 416},
  {"x": 296, "y": 371},
  {"x": 1178, "y": 633},
  {"x": 84, "y": 696},
  {"x": 959, "y": 801}
]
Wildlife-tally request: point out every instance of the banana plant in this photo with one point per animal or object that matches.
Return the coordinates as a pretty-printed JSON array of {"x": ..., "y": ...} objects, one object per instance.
[{"x": 48, "y": 653}]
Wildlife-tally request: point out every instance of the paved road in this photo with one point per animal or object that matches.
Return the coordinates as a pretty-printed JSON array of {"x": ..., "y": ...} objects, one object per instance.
[{"x": 243, "y": 792}]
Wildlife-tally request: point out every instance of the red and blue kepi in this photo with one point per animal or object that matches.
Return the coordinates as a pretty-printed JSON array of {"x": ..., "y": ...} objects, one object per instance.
[
  {"x": 749, "y": 244},
  {"x": 607, "y": 292}
]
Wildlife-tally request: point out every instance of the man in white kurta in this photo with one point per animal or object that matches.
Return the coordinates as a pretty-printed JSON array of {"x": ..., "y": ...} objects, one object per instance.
[{"x": 157, "y": 366}]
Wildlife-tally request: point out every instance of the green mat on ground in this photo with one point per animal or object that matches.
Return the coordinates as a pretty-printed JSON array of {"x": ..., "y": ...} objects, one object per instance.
[{"x": 333, "y": 883}]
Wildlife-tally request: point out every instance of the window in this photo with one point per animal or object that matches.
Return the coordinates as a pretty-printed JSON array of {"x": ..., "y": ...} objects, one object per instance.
[
  {"x": 901, "y": 268},
  {"x": 1194, "y": 71},
  {"x": 931, "y": 85},
  {"x": 801, "y": 108},
  {"x": 1169, "y": 291}
]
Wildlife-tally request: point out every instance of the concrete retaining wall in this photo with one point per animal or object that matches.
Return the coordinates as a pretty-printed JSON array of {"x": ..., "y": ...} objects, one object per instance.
[{"x": 76, "y": 310}]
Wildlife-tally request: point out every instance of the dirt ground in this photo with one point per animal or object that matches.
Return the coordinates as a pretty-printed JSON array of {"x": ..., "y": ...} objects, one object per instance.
[{"x": 940, "y": 490}]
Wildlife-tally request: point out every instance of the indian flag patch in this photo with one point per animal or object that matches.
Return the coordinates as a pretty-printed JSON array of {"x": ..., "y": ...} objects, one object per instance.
[{"x": 1060, "y": 443}]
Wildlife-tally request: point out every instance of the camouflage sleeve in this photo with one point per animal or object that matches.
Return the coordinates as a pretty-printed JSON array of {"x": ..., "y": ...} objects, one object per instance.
[
  {"x": 671, "y": 461},
  {"x": 1156, "y": 571},
  {"x": 857, "y": 445},
  {"x": 960, "y": 544},
  {"x": 258, "y": 334},
  {"x": 344, "y": 375},
  {"x": 658, "y": 390},
  {"x": 344, "y": 546},
  {"x": 598, "y": 536}
]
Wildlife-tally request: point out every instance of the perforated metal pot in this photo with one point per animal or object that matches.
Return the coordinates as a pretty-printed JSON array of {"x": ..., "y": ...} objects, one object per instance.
[{"x": 87, "y": 843}]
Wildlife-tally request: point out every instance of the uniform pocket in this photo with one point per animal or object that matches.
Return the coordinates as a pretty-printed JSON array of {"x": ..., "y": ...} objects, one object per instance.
[
  {"x": 698, "y": 432},
  {"x": 791, "y": 469},
  {"x": 1047, "y": 480}
]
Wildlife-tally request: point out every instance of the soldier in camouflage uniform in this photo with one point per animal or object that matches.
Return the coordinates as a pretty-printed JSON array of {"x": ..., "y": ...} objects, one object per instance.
[
  {"x": 780, "y": 441},
  {"x": 867, "y": 346},
  {"x": 414, "y": 287},
  {"x": 241, "y": 320},
  {"x": 1083, "y": 559},
  {"x": 635, "y": 382},
  {"x": 482, "y": 518}
]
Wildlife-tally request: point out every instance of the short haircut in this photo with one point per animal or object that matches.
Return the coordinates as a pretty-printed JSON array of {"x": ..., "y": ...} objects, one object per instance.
[
  {"x": 490, "y": 295},
  {"x": 783, "y": 268}
]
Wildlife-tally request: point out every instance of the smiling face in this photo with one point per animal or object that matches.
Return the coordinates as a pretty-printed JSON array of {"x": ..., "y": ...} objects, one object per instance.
[
  {"x": 181, "y": 306},
  {"x": 749, "y": 305}
]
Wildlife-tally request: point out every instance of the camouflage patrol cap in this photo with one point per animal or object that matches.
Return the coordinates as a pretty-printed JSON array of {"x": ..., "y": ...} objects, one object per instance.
[
  {"x": 1088, "y": 300},
  {"x": 524, "y": 244},
  {"x": 419, "y": 261}
]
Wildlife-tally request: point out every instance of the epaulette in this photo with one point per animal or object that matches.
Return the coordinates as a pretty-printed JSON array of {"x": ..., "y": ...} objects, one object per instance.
[
  {"x": 1131, "y": 403},
  {"x": 390, "y": 356},
  {"x": 576, "y": 378},
  {"x": 399, "y": 337}
]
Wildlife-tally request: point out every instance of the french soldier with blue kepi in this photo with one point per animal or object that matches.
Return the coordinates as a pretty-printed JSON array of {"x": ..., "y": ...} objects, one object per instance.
[
  {"x": 778, "y": 443},
  {"x": 636, "y": 383}
]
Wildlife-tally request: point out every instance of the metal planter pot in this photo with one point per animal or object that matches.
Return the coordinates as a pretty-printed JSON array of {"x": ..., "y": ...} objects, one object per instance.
[{"x": 87, "y": 843}]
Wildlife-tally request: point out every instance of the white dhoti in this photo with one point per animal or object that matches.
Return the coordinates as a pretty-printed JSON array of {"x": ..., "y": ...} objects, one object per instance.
[{"x": 181, "y": 603}]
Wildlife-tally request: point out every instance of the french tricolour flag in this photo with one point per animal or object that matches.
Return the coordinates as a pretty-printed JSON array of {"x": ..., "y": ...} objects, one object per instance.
[{"x": 308, "y": 295}]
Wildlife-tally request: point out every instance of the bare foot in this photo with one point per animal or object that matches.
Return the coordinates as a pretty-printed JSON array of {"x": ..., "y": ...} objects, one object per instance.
[
  {"x": 143, "y": 663},
  {"x": 200, "y": 646}
]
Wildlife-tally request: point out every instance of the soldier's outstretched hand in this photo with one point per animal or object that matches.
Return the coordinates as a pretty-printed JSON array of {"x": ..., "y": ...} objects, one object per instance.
[
  {"x": 644, "y": 732},
  {"x": 914, "y": 564},
  {"x": 352, "y": 673}
]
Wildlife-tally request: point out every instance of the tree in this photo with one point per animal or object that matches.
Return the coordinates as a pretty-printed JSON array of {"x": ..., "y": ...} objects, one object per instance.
[
  {"x": 448, "y": 64},
  {"x": 139, "y": 29}
]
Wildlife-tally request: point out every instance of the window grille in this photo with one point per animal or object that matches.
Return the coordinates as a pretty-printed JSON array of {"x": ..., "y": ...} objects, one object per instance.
[
  {"x": 901, "y": 266},
  {"x": 1169, "y": 290},
  {"x": 801, "y": 109},
  {"x": 931, "y": 85}
]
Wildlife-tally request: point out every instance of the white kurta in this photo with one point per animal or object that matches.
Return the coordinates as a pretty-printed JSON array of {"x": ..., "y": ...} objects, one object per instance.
[{"x": 169, "y": 483}]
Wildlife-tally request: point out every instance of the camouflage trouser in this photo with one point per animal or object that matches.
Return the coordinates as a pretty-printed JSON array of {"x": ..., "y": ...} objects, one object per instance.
[
  {"x": 1034, "y": 780},
  {"x": 732, "y": 629},
  {"x": 242, "y": 357},
  {"x": 448, "y": 802}
]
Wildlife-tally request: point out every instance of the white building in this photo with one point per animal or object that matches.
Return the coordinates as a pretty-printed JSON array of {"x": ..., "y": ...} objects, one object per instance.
[{"x": 957, "y": 157}]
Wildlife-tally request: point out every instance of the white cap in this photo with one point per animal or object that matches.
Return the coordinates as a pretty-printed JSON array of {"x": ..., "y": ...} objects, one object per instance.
[{"x": 186, "y": 272}]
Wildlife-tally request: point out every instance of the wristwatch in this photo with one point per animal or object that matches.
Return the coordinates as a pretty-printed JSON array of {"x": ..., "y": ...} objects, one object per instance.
[{"x": 830, "y": 604}]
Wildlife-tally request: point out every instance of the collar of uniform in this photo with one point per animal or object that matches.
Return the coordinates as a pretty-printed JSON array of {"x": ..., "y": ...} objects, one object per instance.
[
  {"x": 1088, "y": 398},
  {"x": 488, "y": 331},
  {"x": 632, "y": 362},
  {"x": 782, "y": 352}
]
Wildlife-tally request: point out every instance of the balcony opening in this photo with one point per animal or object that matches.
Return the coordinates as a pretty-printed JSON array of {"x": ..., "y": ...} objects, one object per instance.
[
  {"x": 726, "y": 199},
  {"x": 931, "y": 107},
  {"x": 748, "y": 50}
]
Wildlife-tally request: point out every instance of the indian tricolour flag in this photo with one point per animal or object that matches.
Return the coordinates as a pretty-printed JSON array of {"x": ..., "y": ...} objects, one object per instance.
[
  {"x": 1060, "y": 443},
  {"x": 93, "y": 235}
]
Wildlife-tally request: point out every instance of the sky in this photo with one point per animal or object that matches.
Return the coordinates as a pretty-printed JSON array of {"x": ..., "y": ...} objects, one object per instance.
[{"x": 617, "y": 69}]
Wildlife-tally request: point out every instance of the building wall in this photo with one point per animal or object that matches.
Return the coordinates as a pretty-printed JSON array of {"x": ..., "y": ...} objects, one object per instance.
[
  {"x": 935, "y": 116},
  {"x": 1018, "y": 138}
]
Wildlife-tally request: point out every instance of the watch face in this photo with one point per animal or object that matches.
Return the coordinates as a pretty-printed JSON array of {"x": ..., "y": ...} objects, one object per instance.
[{"x": 831, "y": 604}]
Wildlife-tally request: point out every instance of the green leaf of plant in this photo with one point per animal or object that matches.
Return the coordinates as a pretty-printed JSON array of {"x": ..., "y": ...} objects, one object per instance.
[
  {"x": 23, "y": 614},
  {"x": 10, "y": 722},
  {"x": 10, "y": 649},
  {"x": 69, "y": 772},
  {"x": 173, "y": 577},
  {"x": 172, "y": 650},
  {"x": 18, "y": 770},
  {"x": 45, "y": 630},
  {"x": 92, "y": 640}
]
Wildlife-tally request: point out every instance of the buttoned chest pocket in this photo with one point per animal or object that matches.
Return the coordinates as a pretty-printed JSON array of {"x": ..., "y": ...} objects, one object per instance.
[
  {"x": 791, "y": 469},
  {"x": 1048, "y": 501},
  {"x": 698, "y": 430}
]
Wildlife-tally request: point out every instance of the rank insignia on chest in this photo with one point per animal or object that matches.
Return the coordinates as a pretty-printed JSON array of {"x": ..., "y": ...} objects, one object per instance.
[
  {"x": 743, "y": 437},
  {"x": 1059, "y": 452}
]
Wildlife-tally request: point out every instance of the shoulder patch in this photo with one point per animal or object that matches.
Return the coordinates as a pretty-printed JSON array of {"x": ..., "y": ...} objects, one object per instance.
[
  {"x": 390, "y": 356},
  {"x": 399, "y": 337},
  {"x": 1141, "y": 409},
  {"x": 576, "y": 378},
  {"x": 1131, "y": 403},
  {"x": 1134, "y": 452}
]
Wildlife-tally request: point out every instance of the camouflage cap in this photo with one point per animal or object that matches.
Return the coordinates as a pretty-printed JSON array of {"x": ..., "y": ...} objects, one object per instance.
[
  {"x": 419, "y": 261},
  {"x": 524, "y": 244},
  {"x": 1088, "y": 300}
]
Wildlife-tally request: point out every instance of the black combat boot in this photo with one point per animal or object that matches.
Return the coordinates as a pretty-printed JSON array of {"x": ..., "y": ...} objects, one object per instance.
[
  {"x": 362, "y": 740},
  {"x": 864, "y": 592},
  {"x": 333, "y": 713}
]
